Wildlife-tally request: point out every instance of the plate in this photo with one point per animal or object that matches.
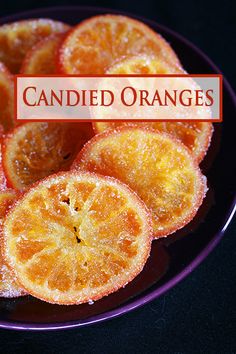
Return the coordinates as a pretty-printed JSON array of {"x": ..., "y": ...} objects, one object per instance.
[{"x": 171, "y": 259}]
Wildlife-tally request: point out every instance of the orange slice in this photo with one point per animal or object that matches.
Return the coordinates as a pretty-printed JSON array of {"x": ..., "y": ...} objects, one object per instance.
[
  {"x": 76, "y": 237},
  {"x": 6, "y": 98},
  {"x": 97, "y": 43},
  {"x": 158, "y": 168},
  {"x": 8, "y": 284},
  {"x": 144, "y": 65},
  {"x": 195, "y": 135},
  {"x": 36, "y": 150},
  {"x": 42, "y": 58},
  {"x": 19, "y": 37}
]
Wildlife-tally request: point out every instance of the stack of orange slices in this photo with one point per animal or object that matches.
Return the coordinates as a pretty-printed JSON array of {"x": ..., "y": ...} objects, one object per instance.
[{"x": 81, "y": 205}]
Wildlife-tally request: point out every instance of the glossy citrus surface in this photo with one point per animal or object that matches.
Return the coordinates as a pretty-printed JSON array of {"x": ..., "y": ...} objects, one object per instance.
[
  {"x": 144, "y": 65},
  {"x": 6, "y": 98},
  {"x": 97, "y": 43},
  {"x": 42, "y": 59},
  {"x": 19, "y": 37},
  {"x": 2, "y": 174},
  {"x": 8, "y": 285},
  {"x": 76, "y": 237},
  {"x": 195, "y": 135},
  {"x": 36, "y": 150},
  {"x": 160, "y": 169}
]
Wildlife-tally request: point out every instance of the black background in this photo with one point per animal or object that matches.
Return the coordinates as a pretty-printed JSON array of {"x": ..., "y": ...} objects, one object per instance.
[{"x": 199, "y": 314}]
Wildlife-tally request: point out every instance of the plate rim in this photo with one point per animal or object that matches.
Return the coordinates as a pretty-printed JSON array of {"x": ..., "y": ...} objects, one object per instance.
[{"x": 154, "y": 294}]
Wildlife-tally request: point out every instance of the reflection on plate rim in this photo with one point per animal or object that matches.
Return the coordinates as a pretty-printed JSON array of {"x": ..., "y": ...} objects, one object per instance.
[{"x": 142, "y": 299}]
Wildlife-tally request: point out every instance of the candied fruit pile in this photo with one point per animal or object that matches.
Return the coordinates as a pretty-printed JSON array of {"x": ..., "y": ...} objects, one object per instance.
[{"x": 80, "y": 204}]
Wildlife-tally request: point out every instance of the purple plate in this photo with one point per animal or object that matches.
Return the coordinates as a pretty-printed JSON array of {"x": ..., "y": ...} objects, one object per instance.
[{"x": 170, "y": 260}]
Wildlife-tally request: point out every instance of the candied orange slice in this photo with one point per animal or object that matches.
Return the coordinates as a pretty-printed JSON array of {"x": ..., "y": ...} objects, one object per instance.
[
  {"x": 6, "y": 98},
  {"x": 19, "y": 37},
  {"x": 8, "y": 284},
  {"x": 195, "y": 135},
  {"x": 76, "y": 237},
  {"x": 97, "y": 43},
  {"x": 42, "y": 58},
  {"x": 157, "y": 167},
  {"x": 36, "y": 150},
  {"x": 144, "y": 65}
]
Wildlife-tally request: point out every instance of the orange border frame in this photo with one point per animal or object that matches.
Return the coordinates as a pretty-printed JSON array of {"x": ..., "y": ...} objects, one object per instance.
[{"x": 219, "y": 120}]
